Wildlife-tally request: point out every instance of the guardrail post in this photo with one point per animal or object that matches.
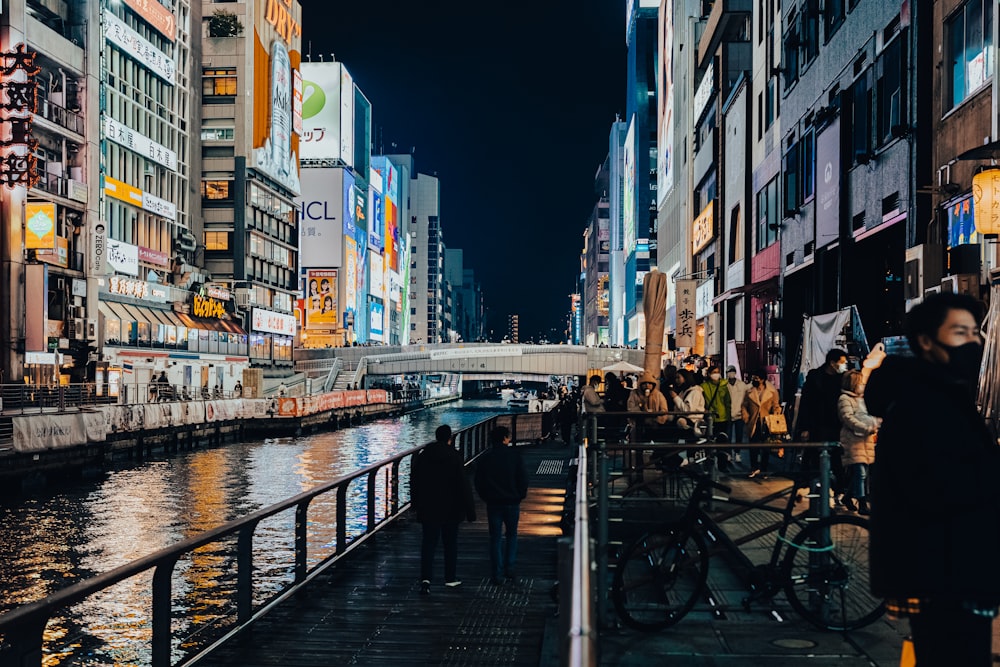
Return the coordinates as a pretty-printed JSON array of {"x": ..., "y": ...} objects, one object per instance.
[
  {"x": 25, "y": 640},
  {"x": 824, "y": 482},
  {"x": 341, "y": 518},
  {"x": 371, "y": 499},
  {"x": 602, "y": 531},
  {"x": 301, "y": 540},
  {"x": 162, "y": 613},
  {"x": 244, "y": 571},
  {"x": 394, "y": 489}
]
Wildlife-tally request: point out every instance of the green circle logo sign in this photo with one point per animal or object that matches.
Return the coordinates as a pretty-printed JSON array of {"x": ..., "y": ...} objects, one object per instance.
[{"x": 313, "y": 99}]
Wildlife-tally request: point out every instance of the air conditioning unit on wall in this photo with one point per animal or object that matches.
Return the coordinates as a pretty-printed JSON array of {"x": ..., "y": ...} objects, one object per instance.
[
  {"x": 922, "y": 269},
  {"x": 961, "y": 283}
]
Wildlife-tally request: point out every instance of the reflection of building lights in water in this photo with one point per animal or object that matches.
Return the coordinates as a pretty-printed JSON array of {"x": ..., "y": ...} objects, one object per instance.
[{"x": 128, "y": 513}]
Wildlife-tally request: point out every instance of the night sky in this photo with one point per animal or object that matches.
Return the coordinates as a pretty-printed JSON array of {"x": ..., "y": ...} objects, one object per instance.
[{"x": 510, "y": 104}]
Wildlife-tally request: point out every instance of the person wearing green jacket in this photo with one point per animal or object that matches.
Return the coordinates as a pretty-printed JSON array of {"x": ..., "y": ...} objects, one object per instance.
[{"x": 719, "y": 404}]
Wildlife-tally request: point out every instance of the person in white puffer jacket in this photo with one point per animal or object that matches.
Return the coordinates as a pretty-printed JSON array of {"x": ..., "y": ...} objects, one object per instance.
[{"x": 857, "y": 437}]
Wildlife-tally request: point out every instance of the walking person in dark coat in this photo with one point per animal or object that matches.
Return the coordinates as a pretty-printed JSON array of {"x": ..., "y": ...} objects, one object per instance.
[
  {"x": 502, "y": 483},
  {"x": 935, "y": 524},
  {"x": 442, "y": 498},
  {"x": 818, "y": 419}
]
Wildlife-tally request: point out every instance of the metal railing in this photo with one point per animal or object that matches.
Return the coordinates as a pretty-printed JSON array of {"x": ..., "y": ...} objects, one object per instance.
[
  {"x": 22, "y": 629},
  {"x": 628, "y": 452},
  {"x": 579, "y": 637}
]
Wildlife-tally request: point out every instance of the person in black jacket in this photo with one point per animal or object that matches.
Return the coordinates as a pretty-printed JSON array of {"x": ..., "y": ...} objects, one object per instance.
[
  {"x": 818, "y": 419},
  {"x": 442, "y": 497},
  {"x": 502, "y": 483},
  {"x": 935, "y": 523}
]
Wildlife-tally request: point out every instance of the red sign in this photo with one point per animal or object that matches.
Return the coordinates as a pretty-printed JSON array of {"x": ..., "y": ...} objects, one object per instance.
[{"x": 154, "y": 257}]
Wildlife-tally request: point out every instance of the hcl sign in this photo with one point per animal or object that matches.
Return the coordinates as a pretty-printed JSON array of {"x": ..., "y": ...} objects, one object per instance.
[{"x": 319, "y": 210}]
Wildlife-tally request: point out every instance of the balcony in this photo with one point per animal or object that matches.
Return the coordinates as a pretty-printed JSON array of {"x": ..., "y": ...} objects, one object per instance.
[
  {"x": 728, "y": 16},
  {"x": 62, "y": 187},
  {"x": 64, "y": 118}
]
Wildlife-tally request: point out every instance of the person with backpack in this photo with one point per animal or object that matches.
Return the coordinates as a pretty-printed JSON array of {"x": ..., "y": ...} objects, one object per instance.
[
  {"x": 502, "y": 483},
  {"x": 442, "y": 497}
]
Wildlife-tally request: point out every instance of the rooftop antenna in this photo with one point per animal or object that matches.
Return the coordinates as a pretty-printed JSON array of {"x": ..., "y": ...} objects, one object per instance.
[
  {"x": 309, "y": 52},
  {"x": 332, "y": 59},
  {"x": 321, "y": 57}
]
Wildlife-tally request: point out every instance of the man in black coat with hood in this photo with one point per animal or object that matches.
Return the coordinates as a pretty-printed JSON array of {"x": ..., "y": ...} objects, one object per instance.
[
  {"x": 442, "y": 497},
  {"x": 935, "y": 524},
  {"x": 502, "y": 483}
]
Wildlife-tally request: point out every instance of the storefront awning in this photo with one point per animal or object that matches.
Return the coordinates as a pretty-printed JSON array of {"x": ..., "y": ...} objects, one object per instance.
[{"x": 210, "y": 324}]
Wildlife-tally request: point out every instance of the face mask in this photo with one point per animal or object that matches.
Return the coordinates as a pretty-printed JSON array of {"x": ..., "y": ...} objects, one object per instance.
[
  {"x": 842, "y": 368},
  {"x": 647, "y": 391},
  {"x": 715, "y": 377},
  {"x": 732, "y": 378},
  {"x": 964, "y": 361}
]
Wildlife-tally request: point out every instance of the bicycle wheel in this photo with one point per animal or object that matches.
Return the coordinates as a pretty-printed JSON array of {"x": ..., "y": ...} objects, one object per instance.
[
  {"x": 827, "y": 575},
  {"x": 659, "y": 578}
]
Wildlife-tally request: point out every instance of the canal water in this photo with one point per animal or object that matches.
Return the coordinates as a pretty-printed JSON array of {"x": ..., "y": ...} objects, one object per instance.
[{"x": 52, "y": 539}]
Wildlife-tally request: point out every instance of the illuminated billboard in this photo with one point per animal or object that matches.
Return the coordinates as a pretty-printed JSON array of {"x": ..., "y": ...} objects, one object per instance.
[
  {"x": 321, "y": 303},
  {"x": 346, "y": 117},
  {"x": 390, "y": 209},
  {"x": 350, "y": 275},
  {"x": 321, "y": 209},
  {"x": 376, "y": 224},
  {"x": 350, "y": 226},
  {"x": 322, "y": 113},
  {"x": 377, "y": 320},
  {"x": 376, "y": 275},
  {"x": 628, "y": 205},
  {"x": 665, "y": 108},
  {"x": 277, "y": 53},
  {"x": 361, "y": 248}
]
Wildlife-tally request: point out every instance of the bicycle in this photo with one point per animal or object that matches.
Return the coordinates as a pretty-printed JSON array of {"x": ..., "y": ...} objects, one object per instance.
[{"x": 823, "y": 569}]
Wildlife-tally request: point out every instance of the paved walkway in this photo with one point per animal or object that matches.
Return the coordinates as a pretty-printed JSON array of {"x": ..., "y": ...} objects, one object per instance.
[{"x": 368, "y": 610}]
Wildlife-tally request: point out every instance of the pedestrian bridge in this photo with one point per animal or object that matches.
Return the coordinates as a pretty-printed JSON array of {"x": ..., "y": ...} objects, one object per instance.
[{"x": 474, "y": 361}]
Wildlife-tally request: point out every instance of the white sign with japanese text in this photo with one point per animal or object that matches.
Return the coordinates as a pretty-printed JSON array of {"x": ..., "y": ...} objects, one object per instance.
[
  {"x": 272, "y": 322},
  {"x": 138, "y": 47},
  {"x": 123, "y": 257},
  {"x": 125, "y": 136},
  {"x": 685, "y": 331}
]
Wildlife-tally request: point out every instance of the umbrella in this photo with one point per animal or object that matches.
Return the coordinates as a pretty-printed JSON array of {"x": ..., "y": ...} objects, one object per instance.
[
  {"x": 622, "y": 367},
  {"x": 654, "y": 307}
]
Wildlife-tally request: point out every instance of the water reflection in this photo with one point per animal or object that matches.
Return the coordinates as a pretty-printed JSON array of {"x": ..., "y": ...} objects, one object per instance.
[{"x": 49, "y": 541}]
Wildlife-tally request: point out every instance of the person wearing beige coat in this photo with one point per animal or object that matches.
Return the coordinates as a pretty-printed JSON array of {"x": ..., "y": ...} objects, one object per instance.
[
  {"x": 857, "y": 437},
  {"x": 761, "y": 399}
]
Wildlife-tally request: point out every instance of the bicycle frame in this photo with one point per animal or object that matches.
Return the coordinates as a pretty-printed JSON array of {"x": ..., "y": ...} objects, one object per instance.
[{"x": 760, "y": 581}]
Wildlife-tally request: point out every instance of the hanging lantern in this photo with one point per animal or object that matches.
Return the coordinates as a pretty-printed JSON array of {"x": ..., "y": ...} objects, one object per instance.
[{"x": 986, "y": 201}]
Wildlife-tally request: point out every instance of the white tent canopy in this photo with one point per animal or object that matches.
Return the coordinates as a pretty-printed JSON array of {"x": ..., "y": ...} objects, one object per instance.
[{"x": 623, "y": 367}]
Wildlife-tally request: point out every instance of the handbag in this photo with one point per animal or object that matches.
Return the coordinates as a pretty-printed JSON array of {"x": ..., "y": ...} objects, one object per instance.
[{"x": 776, "y": 424}]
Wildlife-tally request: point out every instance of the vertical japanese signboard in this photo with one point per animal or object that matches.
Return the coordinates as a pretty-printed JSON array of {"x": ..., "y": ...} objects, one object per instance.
[{"x": 684, "y": 333}]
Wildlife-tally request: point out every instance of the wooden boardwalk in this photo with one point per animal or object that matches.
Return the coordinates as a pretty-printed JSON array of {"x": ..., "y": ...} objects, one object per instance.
[{"x": 367, "y": 610}]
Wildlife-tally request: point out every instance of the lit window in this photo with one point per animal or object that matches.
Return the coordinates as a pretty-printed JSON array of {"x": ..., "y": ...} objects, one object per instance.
[
  {"x": 215, "y": 189},
  {"x": 219, "y": 81}
]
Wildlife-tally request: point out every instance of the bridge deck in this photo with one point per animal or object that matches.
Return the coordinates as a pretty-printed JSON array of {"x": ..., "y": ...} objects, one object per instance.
[{"x": 368, "y": 609}]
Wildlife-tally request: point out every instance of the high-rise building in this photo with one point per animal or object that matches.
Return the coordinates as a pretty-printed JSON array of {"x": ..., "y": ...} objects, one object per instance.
[
  {"x": 426, "y": 261},
  {"x": 639, "y": 157},
  {"x": 251, "y": 130},
  {"x": 49, "y": 198},
  {"x": 513, "y": 335}
]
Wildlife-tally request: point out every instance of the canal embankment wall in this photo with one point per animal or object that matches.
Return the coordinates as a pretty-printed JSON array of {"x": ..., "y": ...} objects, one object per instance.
[{"x": 55, "y": 443}]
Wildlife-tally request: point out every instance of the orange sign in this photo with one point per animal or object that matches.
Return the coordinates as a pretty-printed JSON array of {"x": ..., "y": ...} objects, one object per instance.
[
  {"x": 158, "y": 16},
  {"x": 39, "y": 225},
  {"x": 122, "y": 191},
  {"x": 279, "y": 15},
  {"x": 703, "y": 228}
]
